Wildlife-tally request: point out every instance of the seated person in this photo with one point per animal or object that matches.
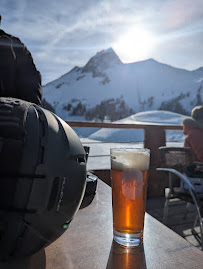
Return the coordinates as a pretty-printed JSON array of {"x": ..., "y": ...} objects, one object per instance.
[
  {"x": 193, "y": 129},
  {"x": 19, "y": 77}
]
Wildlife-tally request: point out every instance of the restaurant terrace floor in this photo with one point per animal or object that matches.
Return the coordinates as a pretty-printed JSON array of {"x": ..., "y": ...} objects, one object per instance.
[{"x": 176, "y": 220}]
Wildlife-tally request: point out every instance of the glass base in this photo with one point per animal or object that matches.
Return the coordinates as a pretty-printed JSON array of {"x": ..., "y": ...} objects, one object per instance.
[{"x": 128, "y": 240}]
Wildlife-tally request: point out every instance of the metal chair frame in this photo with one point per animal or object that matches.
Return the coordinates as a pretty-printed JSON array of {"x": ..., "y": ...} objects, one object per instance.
[{"x": 193, "y": 194}]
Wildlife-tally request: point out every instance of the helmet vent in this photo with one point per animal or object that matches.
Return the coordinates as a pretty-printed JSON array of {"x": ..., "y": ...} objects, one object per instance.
[
  {"x": 54, "y": 193},
  {"x": 80, "y": 159}
]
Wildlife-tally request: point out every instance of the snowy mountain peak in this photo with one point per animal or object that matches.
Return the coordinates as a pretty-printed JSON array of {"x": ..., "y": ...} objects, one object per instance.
[
  {"x": 150, "y": 63},
  {"x": 102, "y": 61},
  {"x": 150, "y": 60},
  {"x": 106, "y": 88}
]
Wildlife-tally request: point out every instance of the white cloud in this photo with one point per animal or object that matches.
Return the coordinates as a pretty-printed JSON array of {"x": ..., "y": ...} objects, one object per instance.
[
  {"x": 178, "y": 13},
  {"x": 65, "y": 33}
]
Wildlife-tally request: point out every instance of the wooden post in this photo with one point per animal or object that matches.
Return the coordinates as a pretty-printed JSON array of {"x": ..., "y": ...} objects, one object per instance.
[{"x": 154, "y": 137}]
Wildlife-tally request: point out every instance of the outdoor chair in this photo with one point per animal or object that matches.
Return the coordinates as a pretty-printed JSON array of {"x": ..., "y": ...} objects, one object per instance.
[{"x": 175, "y": 161}]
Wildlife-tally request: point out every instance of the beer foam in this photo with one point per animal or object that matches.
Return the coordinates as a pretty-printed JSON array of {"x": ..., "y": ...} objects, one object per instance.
[{"x": 130, "y": 158}]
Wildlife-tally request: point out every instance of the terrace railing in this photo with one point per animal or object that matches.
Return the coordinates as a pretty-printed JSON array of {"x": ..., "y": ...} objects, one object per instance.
[{"x": 154, "y": 137}]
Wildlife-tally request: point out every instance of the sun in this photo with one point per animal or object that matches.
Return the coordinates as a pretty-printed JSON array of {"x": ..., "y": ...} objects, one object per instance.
[{"x": 134, "y": 45}]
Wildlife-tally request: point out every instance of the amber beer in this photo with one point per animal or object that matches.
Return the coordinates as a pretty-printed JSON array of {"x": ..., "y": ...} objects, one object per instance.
[{"x": 129, "y": 184}]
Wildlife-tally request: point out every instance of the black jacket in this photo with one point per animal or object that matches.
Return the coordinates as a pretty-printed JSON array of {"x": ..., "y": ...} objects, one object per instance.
[{"x": 19, "y": 77}]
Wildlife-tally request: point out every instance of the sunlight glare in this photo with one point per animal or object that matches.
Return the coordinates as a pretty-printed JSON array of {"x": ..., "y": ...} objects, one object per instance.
[{"x": 135, "y": 45}]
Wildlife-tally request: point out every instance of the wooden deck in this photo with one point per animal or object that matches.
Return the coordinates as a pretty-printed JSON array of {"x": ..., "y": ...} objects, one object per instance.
[{"x": 177, "y": 220}]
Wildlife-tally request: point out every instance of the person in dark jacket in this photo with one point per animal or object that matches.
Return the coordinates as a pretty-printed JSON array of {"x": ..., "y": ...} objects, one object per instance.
[
  {"x": 19, "y": 77},
  {"x": 193, "y": 129}
]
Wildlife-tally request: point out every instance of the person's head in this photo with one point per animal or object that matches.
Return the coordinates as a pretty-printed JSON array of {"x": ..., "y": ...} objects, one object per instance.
[
  {"x": 195, "y": 121},
  {"x": 197, "y": 113}
]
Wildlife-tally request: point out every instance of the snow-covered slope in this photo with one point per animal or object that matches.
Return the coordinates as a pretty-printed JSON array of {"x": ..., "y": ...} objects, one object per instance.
[
  {"x": 153, "y": 117},
  {"x": 144, "y": 85}
]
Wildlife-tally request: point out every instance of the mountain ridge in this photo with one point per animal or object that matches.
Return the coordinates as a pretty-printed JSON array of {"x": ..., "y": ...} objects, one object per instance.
[{"x": 140, "y": 86}]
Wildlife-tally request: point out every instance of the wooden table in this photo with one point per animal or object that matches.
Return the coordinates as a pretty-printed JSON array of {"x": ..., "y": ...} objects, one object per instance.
[{"x": 88, "y": 243}]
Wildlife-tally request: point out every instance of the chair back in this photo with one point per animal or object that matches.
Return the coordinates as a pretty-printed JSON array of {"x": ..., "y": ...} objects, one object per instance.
[{"x": 176, "y": 157}]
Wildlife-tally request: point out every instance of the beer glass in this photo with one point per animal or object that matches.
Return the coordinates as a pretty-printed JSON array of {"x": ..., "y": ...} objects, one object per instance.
[{"x": 129, "y": 168}]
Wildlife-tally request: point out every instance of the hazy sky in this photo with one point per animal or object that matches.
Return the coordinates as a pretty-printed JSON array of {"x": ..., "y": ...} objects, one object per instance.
[{"x": 64, "y": 33}]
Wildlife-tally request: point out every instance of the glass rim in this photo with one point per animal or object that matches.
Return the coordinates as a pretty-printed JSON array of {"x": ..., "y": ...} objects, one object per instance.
[{"x": 125, "y": 158}]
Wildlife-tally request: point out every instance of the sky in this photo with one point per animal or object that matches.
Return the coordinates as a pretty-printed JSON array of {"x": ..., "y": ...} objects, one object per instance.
[{"x": 62, "y": 34}]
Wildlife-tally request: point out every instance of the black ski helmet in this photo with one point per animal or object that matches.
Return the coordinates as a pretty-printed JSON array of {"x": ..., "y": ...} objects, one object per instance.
[{"x": 42, "y": 177}]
